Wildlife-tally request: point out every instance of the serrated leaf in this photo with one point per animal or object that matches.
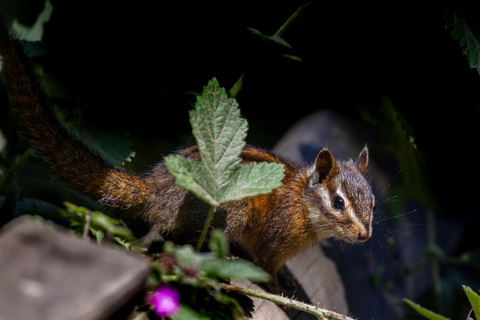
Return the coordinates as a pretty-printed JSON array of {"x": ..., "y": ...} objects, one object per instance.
[
  {"x": 469, "y": 40},
  {"x": 220, "y": 134},
  {"x": 189, "y": 174},
  {"x": 425, "y": 312},
  {"x": 219, "y": 131},
  {"x": 474, "y": 299},
  {"x": 253, "y": 179}
]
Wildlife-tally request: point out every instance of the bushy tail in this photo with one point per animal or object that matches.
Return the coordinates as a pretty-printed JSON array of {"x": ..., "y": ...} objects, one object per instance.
[{"x": 68, "y": 157}]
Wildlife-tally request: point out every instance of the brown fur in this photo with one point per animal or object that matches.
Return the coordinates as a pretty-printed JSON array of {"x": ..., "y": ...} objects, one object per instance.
[{"x": 269, "y": 229}]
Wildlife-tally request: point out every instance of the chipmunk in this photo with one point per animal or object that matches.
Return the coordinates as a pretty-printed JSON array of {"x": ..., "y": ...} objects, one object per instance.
[{"x": 329, "y": 198}]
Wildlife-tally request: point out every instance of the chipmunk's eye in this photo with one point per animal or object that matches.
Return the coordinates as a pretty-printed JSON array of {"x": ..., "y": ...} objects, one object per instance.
[{"x": 338, "y": 203}]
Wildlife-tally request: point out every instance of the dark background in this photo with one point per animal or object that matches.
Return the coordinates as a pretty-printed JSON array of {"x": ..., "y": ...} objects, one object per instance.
[{"x": 136, "y": 66}]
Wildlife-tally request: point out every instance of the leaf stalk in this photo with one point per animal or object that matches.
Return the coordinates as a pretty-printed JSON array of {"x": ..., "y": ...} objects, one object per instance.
[{"x": 205, "y": 227}]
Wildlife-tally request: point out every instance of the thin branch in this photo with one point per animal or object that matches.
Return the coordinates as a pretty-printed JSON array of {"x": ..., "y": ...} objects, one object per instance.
[
  {"x": 290, "y": 20},
  {"x": 289, "y": 302}
]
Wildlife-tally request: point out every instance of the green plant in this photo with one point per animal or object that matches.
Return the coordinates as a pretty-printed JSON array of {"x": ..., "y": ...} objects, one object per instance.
[
  {"x": 472, "y": 296},
  {"x": 220, "y": 135},
  {"x": 468, "y": 38}
]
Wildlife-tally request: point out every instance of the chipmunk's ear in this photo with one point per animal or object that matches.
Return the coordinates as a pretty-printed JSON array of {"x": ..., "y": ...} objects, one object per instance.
[
  {"x": 325, "y": 166},
  {"x": 362, "y": 161}
]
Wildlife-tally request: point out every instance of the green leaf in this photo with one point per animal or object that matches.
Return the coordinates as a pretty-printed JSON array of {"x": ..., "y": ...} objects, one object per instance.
[
  {"x": 425, "y": 312},
  {"x": 35, "y": 32},
  {"x": 236, "y": 88},
  {"x": 220, "y": 135},
  {"x": 474, "y": 299},
  {"x": 112, "y": 145},
  {"x": 217, "y": 267},
  {"x": 234, "y": 269},
  {"x": 190, "y": 174},
  {"x": 273, "y": 38},
  {"x": 253, "y": 179},
  {"x": 469, "y": 40},
  {"x": 219, "y": 131},
  {"x": 187, "y": 313},
  {"x": 186, "y": 256}
]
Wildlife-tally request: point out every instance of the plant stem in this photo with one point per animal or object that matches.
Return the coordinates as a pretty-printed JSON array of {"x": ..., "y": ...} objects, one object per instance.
[
  {"x": 290, "y": 20},
  {"x": 205, "y": 227},
  {"x": 315, "y": 310}
]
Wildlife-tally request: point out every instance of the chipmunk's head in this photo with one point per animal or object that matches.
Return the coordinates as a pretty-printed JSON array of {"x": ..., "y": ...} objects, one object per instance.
[{"x": 339, "y": 199}]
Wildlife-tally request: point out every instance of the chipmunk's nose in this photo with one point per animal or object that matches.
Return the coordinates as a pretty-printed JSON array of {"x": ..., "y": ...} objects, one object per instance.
[{"x": 364, "y": 234}]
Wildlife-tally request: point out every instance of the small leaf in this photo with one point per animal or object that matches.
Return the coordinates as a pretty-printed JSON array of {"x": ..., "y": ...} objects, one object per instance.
[
  {"x": 186, "y": 256},
  {"x": 257, "y": 33},
  {"x": 234, "y": 269},
  {"x": 469, "y": 40},
  {"x": 112, "y": 145},
  {"x": 214, "y": 266},
  {"x": 236, "y": 88},
  {"x": 425, "y": 312},
  {"x": 280, "y": 41},
  {"x": 273, "y": 38},
  {"x": 474, "y": 299},
  {"x": 35, "y": 32}
]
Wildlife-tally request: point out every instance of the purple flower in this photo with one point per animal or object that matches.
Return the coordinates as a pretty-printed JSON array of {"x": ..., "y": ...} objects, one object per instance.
[{"x": 165, "y": 301}]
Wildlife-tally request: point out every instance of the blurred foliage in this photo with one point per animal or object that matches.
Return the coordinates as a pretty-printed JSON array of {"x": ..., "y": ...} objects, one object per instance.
[
  {"x": 473, "y": 298},
  {"x": 196, "y": 275},
  {"x": 395, "y": 133},
  {"x": 468, "y": 37}
]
